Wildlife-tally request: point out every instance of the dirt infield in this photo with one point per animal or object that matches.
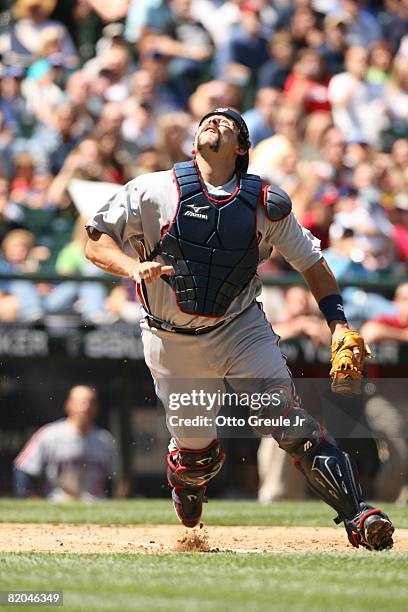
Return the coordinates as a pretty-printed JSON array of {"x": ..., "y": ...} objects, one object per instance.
[{"x": 90, "y": 538}]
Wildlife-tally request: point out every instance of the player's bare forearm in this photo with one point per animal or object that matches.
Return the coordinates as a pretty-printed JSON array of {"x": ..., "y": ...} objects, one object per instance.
[
  {"x": 321, "y": 280},
  {"x": 322, "y": 283},
  {"x": 103, "y": 251}
]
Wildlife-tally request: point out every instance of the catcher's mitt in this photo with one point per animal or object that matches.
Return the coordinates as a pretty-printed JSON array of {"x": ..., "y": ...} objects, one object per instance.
[{"x": 347, "y": 359}]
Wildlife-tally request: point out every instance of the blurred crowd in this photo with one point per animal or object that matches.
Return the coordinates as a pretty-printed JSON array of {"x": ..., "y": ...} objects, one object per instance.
[{"x": 105, "y": 91}]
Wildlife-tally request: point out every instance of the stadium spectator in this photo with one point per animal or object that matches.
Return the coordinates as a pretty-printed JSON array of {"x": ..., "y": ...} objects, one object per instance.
[
  {"x": 112, "y": 70},
  {"x": 78, "y": 93},
  {"x": 138, "y": 14},
  {"x": 275, "y": 160},
  {"x": 30, "y": 190},
  {"x": 6, "y": 141},
  {"x": 394, "y": 22},
  {"x": 218, "y": 17},
  {"x": 62, "y": 136},
  {"x": 398, "y": 159},
  {"x": 362, "y": 27},
  {"x": 150, "y": 92},
  {"x": 23, "y": 175},
  {"x": 51, "y": 49},
  {"x": 287, "y": 128},
  {"x": 379, "y": 65},
  {"x": 148, "y": 161},
  {"x": 344, "y": 255},
  {"x": 41, "y": 91},
  {"x": 278, "y": 477},
  {"x": 353, "y": 100},
  {"x": 400, "y": 223},
  {"x": 386, "y": 410},
  {"x": 306, "y": 86},
  {"x": 20, "y": 256},
  {"x": 347, "y": 256},
  {"x": 122, "y": 305},
  {"x": 390, "y": 327},
  {"x": 314, "y": 128},
  {"x": 11, "y": 215},
  {"x": 41, "y": 215},
  {"x": 139, "y": 130},
  {"x": 318, "y": 216},
  {"x": 396, "y": 101},
  {"x": 261, "y": 118},
  {"x": 23, "y": 43},
  {"x": 174, "y": 138},
  {"x": 70, "y": 458},
  {"x": 13, "y": 105},
  {"x": 277, "y": 68},
  {"x": 333, "y": 47},
  {"x": 333, "y": 148},
  {"x": 185, "y": 41},
  {"x": 84, "y": 162},
  {"x": 207, "y": 96},
  {"x": 168, "y": 95},
  {"x": 288, "y": 122},
  {"x": 247, "y": 43},
  {"x": 304, "y": 26},
  {"x": 85, "y": 298},
  {"x": 111, "y": 155},
  {"x": 301, "y": 318}
]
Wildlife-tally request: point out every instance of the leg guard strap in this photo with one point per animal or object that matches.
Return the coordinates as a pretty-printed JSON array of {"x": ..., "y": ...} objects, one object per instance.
[
  {"x": 194, "y": 468},
  {"x": 300, "y": 440}
]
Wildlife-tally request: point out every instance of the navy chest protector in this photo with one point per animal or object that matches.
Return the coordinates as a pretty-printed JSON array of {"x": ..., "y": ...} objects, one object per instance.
[{"x": 212, "y": 243}]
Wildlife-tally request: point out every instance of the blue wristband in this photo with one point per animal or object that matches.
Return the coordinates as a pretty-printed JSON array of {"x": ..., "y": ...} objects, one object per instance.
[{"x": 332, "y": 307}]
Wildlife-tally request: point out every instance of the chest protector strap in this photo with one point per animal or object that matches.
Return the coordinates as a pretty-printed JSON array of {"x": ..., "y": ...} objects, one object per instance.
[{"x": 211, "y": 242}]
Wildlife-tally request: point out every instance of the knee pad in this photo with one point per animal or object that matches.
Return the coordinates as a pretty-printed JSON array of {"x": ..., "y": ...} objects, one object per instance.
[
  {"x": 278, "y": 401},
  {"x": 291, "y": 426},
  {"x": 302, "y": 435},
  {"x": 194, "y": 468}
]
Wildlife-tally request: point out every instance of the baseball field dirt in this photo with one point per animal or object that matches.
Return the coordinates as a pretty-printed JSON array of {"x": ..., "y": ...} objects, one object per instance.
[
  {"x": 132, "y": 555},
  {"x": 93, "y": 538}
]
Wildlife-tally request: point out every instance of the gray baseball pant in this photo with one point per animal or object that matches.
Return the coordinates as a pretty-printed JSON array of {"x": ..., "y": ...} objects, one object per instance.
[{"x": 245, "y": 348}]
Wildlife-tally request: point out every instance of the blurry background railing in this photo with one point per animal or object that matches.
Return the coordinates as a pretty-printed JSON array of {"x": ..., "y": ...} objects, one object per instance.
[{"x": 384, "y": 285}]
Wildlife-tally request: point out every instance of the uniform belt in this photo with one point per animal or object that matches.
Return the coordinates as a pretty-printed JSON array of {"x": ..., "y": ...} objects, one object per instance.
[{"x": 196, "y": 331}]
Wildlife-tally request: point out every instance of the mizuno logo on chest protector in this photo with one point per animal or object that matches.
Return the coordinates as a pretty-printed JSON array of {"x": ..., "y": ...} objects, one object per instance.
[
  {"x": 215, "y": 260},
  {"x": 196, "y": 211}
]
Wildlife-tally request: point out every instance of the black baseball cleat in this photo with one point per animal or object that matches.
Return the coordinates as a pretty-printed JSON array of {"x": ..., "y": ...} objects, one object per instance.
[
  {"x": 371, "y": 528},
  {"x": 188, "y": 504}
]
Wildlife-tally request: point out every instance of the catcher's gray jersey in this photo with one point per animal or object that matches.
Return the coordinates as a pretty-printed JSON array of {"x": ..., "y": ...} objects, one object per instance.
[
  {"x": 136, "y": 216},
  {"x": 73, "y": 464}
]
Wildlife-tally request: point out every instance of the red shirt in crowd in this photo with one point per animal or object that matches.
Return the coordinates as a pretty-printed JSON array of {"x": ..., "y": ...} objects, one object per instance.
[
  {"x": 314, "y": 96},
  {"x": 401, "y": 241},
  {"x": 391, "y": 321}
]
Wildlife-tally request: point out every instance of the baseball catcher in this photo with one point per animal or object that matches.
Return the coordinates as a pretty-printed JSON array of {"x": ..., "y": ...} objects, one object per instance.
[{"x": 192, "y": 238}]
